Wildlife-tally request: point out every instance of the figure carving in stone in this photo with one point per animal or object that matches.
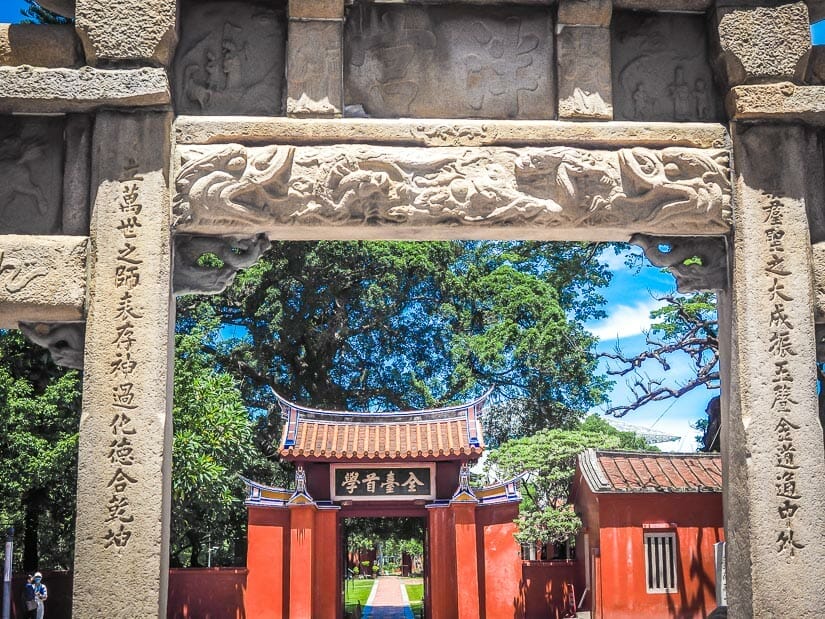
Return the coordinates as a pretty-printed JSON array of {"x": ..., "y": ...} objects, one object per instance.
[
  {"x": 230, "y": 60},
  {"x": 680, "y": 92},
  {"x": 21, "y": 196},
  {"x": 236, "y": 182},
  {"x": 16, "y": 276},
  {"x": 208, "y": 264},
  {"x": 697, "y": 263},
  {"x": 229, "y": 187},
  {"x": 63, "y": 340}
]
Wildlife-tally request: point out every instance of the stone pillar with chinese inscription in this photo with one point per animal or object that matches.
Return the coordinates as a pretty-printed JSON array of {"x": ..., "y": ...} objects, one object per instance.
[
  {"x": 315, "y": 69},
  {"x": 583, "y": 57},
  {"x": 772, "y": 437},
  {"x": 125, "y": 445}
]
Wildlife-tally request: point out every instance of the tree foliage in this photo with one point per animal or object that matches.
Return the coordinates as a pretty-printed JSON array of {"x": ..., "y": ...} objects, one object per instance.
[
  {"x": 370, "y": 325},
  {"x": 547, "y": 461}
]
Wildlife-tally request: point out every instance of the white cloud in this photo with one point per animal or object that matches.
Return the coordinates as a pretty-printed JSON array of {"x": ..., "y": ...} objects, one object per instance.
[
  {"x": 616, "y": 262},
  {"x": 625, "y": 320}
]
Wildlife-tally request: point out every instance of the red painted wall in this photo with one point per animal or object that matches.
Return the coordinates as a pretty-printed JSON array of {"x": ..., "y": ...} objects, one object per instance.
[
  {"x": 206, "y": 593},
  {"x": 266, "y": 561},
  {"x": 442, "y": 601},
  {"x": 326, "y": 561},
  {"x": 499, "y": 562},
  {"x": 542, "y": 587},
  {"x": 698, "y": 517}
]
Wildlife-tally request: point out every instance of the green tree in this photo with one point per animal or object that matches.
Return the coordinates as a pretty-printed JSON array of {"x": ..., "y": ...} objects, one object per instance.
[
  {"x": 40, "y": 406},
  {"x": 411, "y": 324},
  {"x": 547, "y": 462}
]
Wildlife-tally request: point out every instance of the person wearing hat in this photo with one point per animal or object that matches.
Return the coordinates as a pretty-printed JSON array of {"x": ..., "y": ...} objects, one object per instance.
[{"x": 40, "y": 594}]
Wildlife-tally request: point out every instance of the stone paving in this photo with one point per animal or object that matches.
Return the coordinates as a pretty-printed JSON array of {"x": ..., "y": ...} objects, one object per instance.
[{"x": 388, "y": 600}]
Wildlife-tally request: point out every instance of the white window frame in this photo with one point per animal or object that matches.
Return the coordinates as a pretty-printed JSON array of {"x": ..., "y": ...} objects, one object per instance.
[{"x": 661, "y": 562}]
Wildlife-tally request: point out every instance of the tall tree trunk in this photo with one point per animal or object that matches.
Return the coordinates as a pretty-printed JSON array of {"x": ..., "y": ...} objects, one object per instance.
[
  {"x": 31, "y": 523},
  {"x": 195, "y": 540}
]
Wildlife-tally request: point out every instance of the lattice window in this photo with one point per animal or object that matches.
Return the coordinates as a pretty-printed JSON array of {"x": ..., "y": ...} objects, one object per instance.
[{"x": 660, "y": 562}]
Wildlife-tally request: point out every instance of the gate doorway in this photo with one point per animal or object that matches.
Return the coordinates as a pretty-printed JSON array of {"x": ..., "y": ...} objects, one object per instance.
[{"x": 384, "y": 567}]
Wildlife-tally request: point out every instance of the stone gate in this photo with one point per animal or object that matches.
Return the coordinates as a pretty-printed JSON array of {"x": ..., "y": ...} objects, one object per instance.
[{"x": 152, "y": 132}]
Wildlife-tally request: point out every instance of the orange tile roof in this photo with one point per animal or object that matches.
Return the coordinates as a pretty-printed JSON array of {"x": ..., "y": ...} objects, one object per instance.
[
  {"x": 311, "y": 434},
  {"x": 632, "y": 471}
]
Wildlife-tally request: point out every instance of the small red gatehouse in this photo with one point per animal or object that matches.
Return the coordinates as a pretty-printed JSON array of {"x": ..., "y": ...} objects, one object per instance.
[{"x": 405, "y": 464}]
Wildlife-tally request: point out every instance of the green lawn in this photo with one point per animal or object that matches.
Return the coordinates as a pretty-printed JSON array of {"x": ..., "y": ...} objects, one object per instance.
[
  {"x": 357, "y": 591},
  {"x": 416, "y": 594}
]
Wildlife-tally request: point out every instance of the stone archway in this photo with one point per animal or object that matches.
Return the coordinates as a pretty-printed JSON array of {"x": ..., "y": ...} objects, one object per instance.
[{"x": 163, "y": 190}]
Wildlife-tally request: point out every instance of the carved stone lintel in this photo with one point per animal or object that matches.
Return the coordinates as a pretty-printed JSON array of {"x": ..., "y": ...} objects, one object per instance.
[
  {"x": 337, "y": 191},
  {"x": 193, "y": 273},
  {"x": 697, "y": 263},
  {"x": 819, "y": 281},
  {"x": 64, "y": 340}
]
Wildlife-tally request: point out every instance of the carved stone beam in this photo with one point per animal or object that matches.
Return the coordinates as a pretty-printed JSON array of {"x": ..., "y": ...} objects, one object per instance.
[
  {"x": 35, "y": 90},
  {"x": 63, "y": 340},
  {"x": 365, "y": 191},
  {"x": 783, "y": 102},
  {"x": 819, "y": 281},
  {"x": 697, "y": 263},
  {"x": 42, "y": 278},
  {"x": 208, "y": 264}
]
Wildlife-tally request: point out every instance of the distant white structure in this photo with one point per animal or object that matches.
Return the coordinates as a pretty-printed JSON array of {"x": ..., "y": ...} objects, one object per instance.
[{"x": 650, "y": 435}]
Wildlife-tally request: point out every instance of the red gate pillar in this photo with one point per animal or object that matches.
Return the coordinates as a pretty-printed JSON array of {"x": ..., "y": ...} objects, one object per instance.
[
  {"x": 466, "y": 565},
  {"x": 267, "y": 548},
  {"x": 301, "y": 541},
  {"x": 441, "y": 596},
  {"x": 326, "y": 575}
]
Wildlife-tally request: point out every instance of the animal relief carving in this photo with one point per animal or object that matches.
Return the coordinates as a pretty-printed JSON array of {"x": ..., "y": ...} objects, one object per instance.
[{"x": 227, "y": 188}]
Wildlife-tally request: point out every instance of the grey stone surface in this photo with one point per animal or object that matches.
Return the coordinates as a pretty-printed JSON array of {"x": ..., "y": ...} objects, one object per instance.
[
  {"x": 413, "y": 132},
  {"x": 585, "y": 12},
  {"x": 40, "y": 45},
  {"x": 63, "y": 340},
  {"x": 65, "y": 8},
  {"x": 782, "y": 102},
  {"x": 763, "y": 43},
  {"x": 383, "y": 192},
  {"x": 193, "y": 275},
  {"x": 42, "y": 278},
  {"x": 585, "y": 88},
  {"x": 127, "y": 31},
  {"x": 31, "y": 169},
  {"x": 76, "y": 176},
  {"x": 816, "y": 66},
  {"x": 818, "y": 250},
  {"x": 697, "y": 263},
  {"x": 230, "y": 59},
  {"x": 437, "y": 62},
  {"x": 775, "y": 460},
  {"x": 315, "y": 69},
  {"x": 125, "y": 441},
  {"x": 33, "y": 90},
  {"x": 661, "y": 70}
]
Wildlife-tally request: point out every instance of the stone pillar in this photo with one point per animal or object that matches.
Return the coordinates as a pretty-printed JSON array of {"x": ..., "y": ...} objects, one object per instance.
[
  {"x": 772, "y": 439},
  {"x": 315, "y": 65},
  {"x": 125, "y": 445},
  {"x": 301, "y": 541},
  {"x": 583, "y": 59},
  {"x": 466, "y": 563}
]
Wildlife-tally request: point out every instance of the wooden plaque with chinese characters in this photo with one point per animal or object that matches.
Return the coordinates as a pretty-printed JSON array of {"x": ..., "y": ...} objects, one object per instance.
[{"x": 366, "y": 482}]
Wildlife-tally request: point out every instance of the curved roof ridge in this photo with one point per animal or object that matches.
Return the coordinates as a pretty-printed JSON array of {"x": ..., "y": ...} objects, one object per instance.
[{"x": 380, "y": 416}]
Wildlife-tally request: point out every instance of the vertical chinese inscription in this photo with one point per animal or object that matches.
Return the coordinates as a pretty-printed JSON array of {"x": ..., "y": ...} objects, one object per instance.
[
  {"x": 781, "y": 348},
  {"x": 120, "y": 451}
]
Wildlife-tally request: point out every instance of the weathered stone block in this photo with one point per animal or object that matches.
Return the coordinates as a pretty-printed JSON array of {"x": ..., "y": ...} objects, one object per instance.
[
  {"x": 127, "y": 31},
  {"x": 661, "y": 70},
  {"x": 42, "y": 278},
  {"x": 61, "y": 7},
  {"x": 315, "y": 69},
  {"x": 458, "y": 62},
  {"x": 585, "y": 12},
  {"x": 316, "y": 9},
  {"x": 44, "y": 91},
  {"x": 763, "y": 44},
  {"x": 230, "y": 59},
  {"x": 585, "y": 88},
  {"x": 125, "y": 440},
  {"x": 779, "y": 102},
  {"x": 31, "y": 175},
  {"x": 76, "y": 177},
  {"x": 40, "y": 45}
]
